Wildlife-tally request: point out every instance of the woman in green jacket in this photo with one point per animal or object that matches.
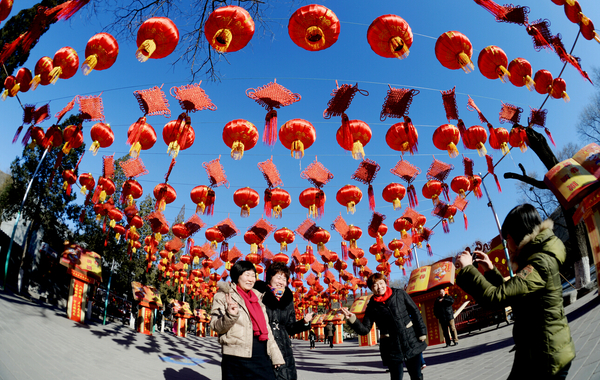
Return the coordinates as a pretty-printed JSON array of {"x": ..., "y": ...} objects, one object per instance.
[{"x": 543, "y": 345}]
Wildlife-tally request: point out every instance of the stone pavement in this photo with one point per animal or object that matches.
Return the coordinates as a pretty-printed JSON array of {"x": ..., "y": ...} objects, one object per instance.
[{"x": 37, "y": 341}]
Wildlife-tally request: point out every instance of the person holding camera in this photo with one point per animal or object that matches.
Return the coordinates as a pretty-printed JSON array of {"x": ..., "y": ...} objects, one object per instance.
[
  {"x": 442, "y": 309},
  {"x": 544, "y": 348},
  {"x": 402, "y": 330}
]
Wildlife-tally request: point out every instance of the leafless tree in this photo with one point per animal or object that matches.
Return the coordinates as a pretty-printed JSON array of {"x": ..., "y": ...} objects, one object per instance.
[{"x": 588, "y": 127}]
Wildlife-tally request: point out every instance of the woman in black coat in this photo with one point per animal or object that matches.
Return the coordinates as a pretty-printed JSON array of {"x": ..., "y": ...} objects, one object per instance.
[
  {"x": 279, "y": 302},
  {"x": 402, "y": 330}
]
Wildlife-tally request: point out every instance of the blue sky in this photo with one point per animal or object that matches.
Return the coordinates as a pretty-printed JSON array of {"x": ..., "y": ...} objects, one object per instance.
[{"x": 312, "y": 75}]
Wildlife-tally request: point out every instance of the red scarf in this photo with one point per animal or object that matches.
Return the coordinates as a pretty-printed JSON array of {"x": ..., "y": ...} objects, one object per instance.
[
  {"x": 259, "y": 325},
  {"x": 385, "y": 296}
]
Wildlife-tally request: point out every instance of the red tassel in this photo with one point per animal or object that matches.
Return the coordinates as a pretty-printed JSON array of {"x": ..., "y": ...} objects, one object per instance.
[
  {"x": 68, "y": 191},
  {"x": 70, "y": 8},
  {"x": 26, "y": 137},
  {"x": 268, "y": 205},
  {"x": 9, "y": 48},
  {"x": 446, "y": 191},
  {"x": 270, "y": 132},
  {"x": 82, "y": 216},
  {"x": 224, "y": 248},
  {"x": 466, "y": 221},
  {"x": 96, "y": 195},
  {"x": 411, "y": 133},
  {"x": 344, "y": 251},
  {"x": 497, "y": 10},
  {"x": 412, "y": 196},
  {"x": 445, "y": 226},
  {"x": 463, "y": 132},
  {"x": 429, "y": 250},
  {"x": 17, "y": 134},
  {"x": 210, "y": 203},
  {"x": 346, "y": 133},
  {"x": 497, "y": 183},
  {"x": 403, "y": 271},
  {"x": 371, "y": 198},
  {"x": 549, "y": 136}
]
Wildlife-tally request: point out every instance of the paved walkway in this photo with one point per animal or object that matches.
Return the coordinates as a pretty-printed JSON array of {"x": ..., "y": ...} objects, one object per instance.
[{"x": 37, "y": 341}]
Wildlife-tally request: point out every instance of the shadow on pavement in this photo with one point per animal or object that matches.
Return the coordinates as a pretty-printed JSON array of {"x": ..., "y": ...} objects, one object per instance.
[
  {"x": 470, "y": 352},
  {"x": 183, "y": 374},
  {"x": 579, "y": 312}
]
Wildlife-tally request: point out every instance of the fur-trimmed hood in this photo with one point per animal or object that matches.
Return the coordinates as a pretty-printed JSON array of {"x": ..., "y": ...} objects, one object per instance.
[
  {"x": 547, "y": 224},
  {"x": 270, "y": 300},
  {"x": 542, "y": 239}
]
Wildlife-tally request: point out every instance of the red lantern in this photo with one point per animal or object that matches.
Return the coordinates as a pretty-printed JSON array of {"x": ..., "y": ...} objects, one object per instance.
[
  {"x": 22, "y": 82},
  {"x": 360, "y": 136},
  {"x": 460, "y": 185},
  {"x": 543, "y": 81},
  {"x": 214, "y": 235},
  {"x": 393, "y": 193},
  {"x": 5, "y": 8},
  {"x": 402, "y": 225},
  {"x": 53, "y": 137},
  {"x": 354, "y": 233},
  {"x": 281, "y": 258},
  {"x": 314, "y": 27},
  {"x": 499, "y": 139},
  {"x": 119, "y": 230},
  {"x": 65, "y": 62},
  {"x": 42, "y": 70},
  {"x": 70, "y": 179},
  {"x": 9, "y": 83},
  {"x": 297, "y": 135},
  {"x": 141, "y": 136},
  {"x": 115, "y": 215},
  {"x": 402, "y": 137},
  {"x": 349, "y": 196},
  {"x": 204, "y": 198},
  {"x": 588, "y": 31},
  {"x": 320, "y": 238},
  {"x": 240, "y": 135},
  {"x": 102, "y": 137},
  {"x": 381, "y": 231},
  {"x": 87, "y": 182},
  {"x": 559, "y": 90},
  {"x": 37, "y": 136},
  {"x": 73, "y": 138},
  {"x": 156, "y": 38},
  {"x": 314, "y": 200},
  {"x": 475, "y": 186},
  {"x": 573, "y": 11},
  {"x": 229, "y": 28},
  {"x": 477, "y": 136},
  {"x": 246, "y": 198},
  {"x": 180, "y": 230},
  {"x": 178, "y": 135},
  {"x": 164, "y": 194},
  {"x": 390, "y": 36},
  {"x": 492, "y": 63},
  {"x": 517, "y": 138},
  {"x": 100, "y": 53},
  {"x": 131, "y": 190},
  {"x": 284, "y": 236},
  {"x": 276, "y": 200},
  {"x": 445, "y": 137},
  {"x": 432, "y": 190},
  {"x": 454, "y": 50},
  {"x": 135, "y": 222},
  {"x": 107, "y": 188},
  {"x": 396, "y": 245},
  {"x": 251, "y": 238},
  {"x": 520, "y": 73}
]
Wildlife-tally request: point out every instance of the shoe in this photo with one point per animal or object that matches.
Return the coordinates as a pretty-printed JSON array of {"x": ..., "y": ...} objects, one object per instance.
[
  {"x": 447, "y": 345},
  {"x": 455, "y": 343},
  {"x": 423, "y": 366}
]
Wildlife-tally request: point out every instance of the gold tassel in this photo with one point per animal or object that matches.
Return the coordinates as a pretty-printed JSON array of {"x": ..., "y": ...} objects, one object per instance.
[
  {"x": 452, "y": 150},
  {"x": 148, "y": 47},
  {"x": 465, "y": 62},
  {"x": 55, "y": 74},
  {"x": 237, "y": 150},
  {"x": 222, "y": 39},
  {"x": 358, "y": 152},
  {"x": 398, "y": 48},
  {"x": 89, "y": 64},
  {"x": 396, "y": 204}
]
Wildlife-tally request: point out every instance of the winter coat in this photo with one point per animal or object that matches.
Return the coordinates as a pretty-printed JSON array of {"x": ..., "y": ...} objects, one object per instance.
[
  {"x": 541, "y": 331},
  {"x": 329, "y": 329},
  {"x": 235, "y": 331},
  {"x": 282, "y": 320},
  {"x": 442, "y": 308},
  {"x": 400, "y": 325}
]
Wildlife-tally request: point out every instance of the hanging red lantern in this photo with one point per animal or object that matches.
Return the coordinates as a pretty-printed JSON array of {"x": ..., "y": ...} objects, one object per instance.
[
  {"x": 360, "y": 136},
  {"x": 517, "y": 138},
  {"x": 445, "y": 137},
  {"x": 119, "y": 231},
  {"x": 454, "y": 50},
  {"x": 588, "y": 31},
  {"x": 402, "y": 137},
  {"x": 559, "y": 90},
  {"x": 314, "y": 27},
  {"x": 284, "y": 236},
  {"x": 23, "y": 78},
  {"x": 460, "y": 185},
  {"x": 520, "y": 73},
  {"x": 394, "y": 193},
  {"x": 276, "y": 200},
  {"x": 53, "y": 137},
  {"x": 573, "y": 11},
  {"x": 141, "y": 136},
  {"x": 214, "y": 235},
  {"x": 240, "y": 135},
  {"x": 65, "y": 64},
  {"x": 115, "y": 215},
  {"x": 102, "y": 137},
  {"x": 499, "y": 139},
  {"x": 320, "y": 238},
  {"x": 73, "y": 138},
  {"x": 164, "y": 194},
  {"x": 87, "y": 182},
  {"x": 297, "y": 135},
  {"x": 381, "y": 231},
  {"x": 178, "y": 135},
  {"x": 354, "y": 233},
  {"x": 396, "y": 246},
  {"x": 432, "y": 190},
  {"x": 492, "y": 63},
  {"x": 477, "y": 136},
  {"x": 314, "y": 200},
  {"x": 107, "y": 188},
  {"x": 402, "y": 225},
  {"x": 246, "y": 198},
  {"x": 204, "y": 198},
  {"x": 9, "y": 83},
  {"x": 42, "y": 70},
  {"x": 131, "y": 190},
  {"x": 135, "y": 222},
  {"x": 37, "y": 136},
  {"x": 100, "y": 53},
  {"x": 156, "y": 38},
  {"x": 70, "y": 179},
  {"x": 5, "y": 8},
  {"x": 180, "y": 230},
  {"x": 229, "y": 28},
  {"x": 390, "y": 36},
  {"x": 543, "y": 81},
  {"x": 281, "y": 258},
  {"x": 475, "y": 185},
  {"x": 251, "y": 238},
  {"x": 349, "y": 196}
]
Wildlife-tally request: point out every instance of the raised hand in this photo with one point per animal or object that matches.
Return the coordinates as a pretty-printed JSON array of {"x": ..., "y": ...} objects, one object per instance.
[
  {"x": 308, "y": 317},
  {"x": 484, "y": 260},
  {"x": 346, "y": 312},
  {"x": 232, "y": 306}
]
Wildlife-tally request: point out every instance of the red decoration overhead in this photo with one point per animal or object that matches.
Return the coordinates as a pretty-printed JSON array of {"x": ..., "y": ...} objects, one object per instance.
[
  {"x": 520, "y": 73},
  {"x": 366, "y": 173},
  {"x": 540, "y": 32},
  {"x": 454, "y": 50},
  {"x": 559, "y": 90},
  {"x": 216, "y": 173},
  {"x": 518, "y": 138},
  {"x": 192, "y": 98},
  {"x": 297, "y": 135},
  {"x": 178, "y": 135},
  {"x": 476, "y": 140},
  {"x": 240, "y": 135},
  {"x": 5, "y": 8},
  {"x": 403, "y": 137},
  {"x": 153, "y": 102},
  {"x": 164, "y": 194},
  {"x": 507, "y": 13},
  {"x": 493, "y": 63},
  {"x": 100, "y": 53},
  {"x": 445, "y": 137},
  {"x": 246, "y": 198},
  {"x": 284, "y": 236},
  {"x": 270, "y": 173},
  {"x": 432, "y": 190},
  {"x": 314, "y": 27},
  {"x": 73, "y": 137},
  {"x": 397, "y": 103},
  {"x": 390, "y": 36},
  {"x": 349, "y": 196},
  {"x": 408, "y": 172},
  {"x": 449, "y": 100},
  {"x": 204, "y": 198},
  {"x": 510, "y": 113},
  {"x": 65, "y": 64},
  {"x": 461, "y": 185},
  {"x": 394, "y": 193},
  {"x": 543, "y": 81},
  {"x": 90, "y": 107},
  {"x": 42, "y": 70},
  {"x": 156, "y": 38},
  {"x": 229, "y": 28},
  {"x": 102, "y": 137},
  {"x": 320, "y": 238},
  {"x": 314, "y": 200},
  {"x": 276, "y": 200},
  {"x": 360, "y": 133},
  {"x": 317, "y": 174},
  {"x": 141, "y": 136}
]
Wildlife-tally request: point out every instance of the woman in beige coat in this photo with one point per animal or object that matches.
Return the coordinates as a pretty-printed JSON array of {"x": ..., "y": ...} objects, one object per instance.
[{"x": 239, "y": 317}]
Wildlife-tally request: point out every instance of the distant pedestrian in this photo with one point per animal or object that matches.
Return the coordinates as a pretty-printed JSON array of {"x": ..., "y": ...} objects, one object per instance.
[
  {"x": 329, "y": 332},
  {"x": 544, "y": 348},
  {"x": 312, "y": 337},
  {"x": 403, "y": 331},
  {"x": 442, "y": 309}
]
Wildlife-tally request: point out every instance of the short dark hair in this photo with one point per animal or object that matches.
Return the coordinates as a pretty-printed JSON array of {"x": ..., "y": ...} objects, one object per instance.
[
  {"x": 277, "y": 267},
  {"x": 520, "y": 222},
  {"x": 239, "y": 268},
  {"x": 374, "y": 278}
]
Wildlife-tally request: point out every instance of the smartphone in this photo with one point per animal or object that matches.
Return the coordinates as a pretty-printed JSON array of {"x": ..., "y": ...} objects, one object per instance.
[{"x": 474, "y": 256}]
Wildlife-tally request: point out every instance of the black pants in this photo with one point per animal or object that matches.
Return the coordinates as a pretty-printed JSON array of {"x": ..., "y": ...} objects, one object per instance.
[
  {"x": 330, "y": 341},
  {"x": 312, "y": 343},
  {"x": 413, "y": 366}
]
